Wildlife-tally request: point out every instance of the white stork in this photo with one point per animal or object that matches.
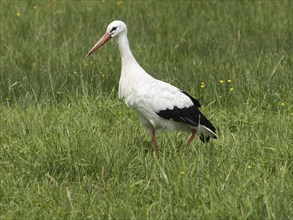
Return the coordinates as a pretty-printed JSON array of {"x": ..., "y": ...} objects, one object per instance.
[{"x": 158, "y": 104}]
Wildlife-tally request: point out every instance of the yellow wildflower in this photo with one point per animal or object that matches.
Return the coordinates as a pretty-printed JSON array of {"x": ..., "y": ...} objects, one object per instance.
[
  {"x": 221, "y": 81},
  {"x": 282, "y": 104},
  {"x": 18, "y": 14},
  {"x": 231, "y": 89},
  {"x": 229, "y": 80},
  {"x": 182, "y": 172}
]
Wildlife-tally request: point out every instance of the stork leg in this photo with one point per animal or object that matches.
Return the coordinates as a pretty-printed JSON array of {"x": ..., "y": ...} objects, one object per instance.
[
  {"x": 192, "y": 136},
  {"x": 154, "y": 143}
]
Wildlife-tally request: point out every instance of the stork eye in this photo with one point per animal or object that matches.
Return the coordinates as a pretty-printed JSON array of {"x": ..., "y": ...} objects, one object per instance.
[{"x": 113, "y": 29}]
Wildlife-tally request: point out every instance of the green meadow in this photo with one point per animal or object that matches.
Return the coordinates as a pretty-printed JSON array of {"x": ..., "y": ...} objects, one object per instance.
[{"x": 70, "y": 149}]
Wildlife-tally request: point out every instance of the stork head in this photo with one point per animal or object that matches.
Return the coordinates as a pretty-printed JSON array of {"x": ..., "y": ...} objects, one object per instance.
[{"x": 114, "y": 29}]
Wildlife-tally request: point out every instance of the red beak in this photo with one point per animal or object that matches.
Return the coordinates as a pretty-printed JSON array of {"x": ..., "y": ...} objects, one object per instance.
[{"x": 100, "y": 43}]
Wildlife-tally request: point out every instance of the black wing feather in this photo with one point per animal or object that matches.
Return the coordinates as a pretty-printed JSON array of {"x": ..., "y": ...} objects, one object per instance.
[
  {"x": 190, "y": 115},
  {"x": 195, "y": 102}
]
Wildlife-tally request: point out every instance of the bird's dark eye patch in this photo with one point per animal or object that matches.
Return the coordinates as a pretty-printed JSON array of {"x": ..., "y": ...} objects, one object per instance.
[{"x": 113, "y": 29}]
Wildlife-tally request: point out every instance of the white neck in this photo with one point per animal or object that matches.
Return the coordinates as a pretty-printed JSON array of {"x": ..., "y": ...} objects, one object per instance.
[
  {"x": 131, "y": 72},
  {"x": 127, "y": 57}
]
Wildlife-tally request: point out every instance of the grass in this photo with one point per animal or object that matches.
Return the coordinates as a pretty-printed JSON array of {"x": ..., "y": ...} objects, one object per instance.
[{"x": 69, "y": 149}]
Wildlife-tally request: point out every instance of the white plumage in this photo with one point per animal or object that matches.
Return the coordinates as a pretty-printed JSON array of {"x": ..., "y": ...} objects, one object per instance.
[{"x": 158, "y": 104}]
